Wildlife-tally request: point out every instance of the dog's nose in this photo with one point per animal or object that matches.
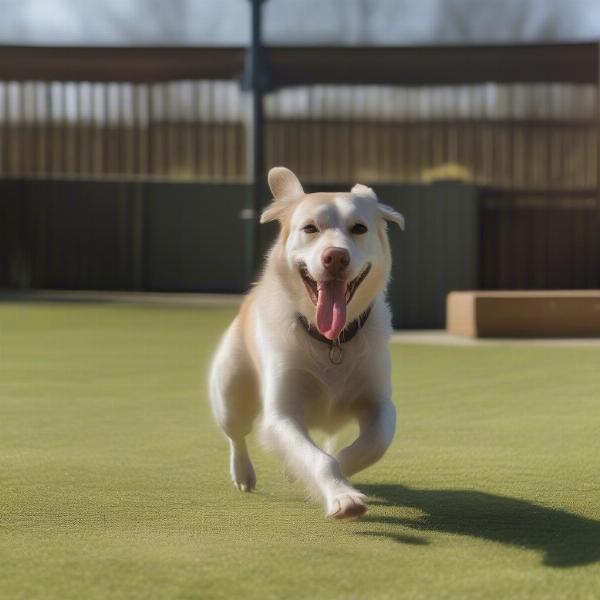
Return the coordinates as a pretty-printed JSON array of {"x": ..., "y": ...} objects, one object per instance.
[{"x": 335, "y": 260}]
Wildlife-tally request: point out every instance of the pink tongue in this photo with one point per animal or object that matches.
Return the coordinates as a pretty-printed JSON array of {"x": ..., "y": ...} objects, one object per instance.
[{"x": 331, "y": 308}]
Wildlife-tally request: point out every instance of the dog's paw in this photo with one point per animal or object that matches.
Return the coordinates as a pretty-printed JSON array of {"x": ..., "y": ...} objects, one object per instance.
[
  {"x": 347, "y": 505},
  {"x": 243, "y": 475}
]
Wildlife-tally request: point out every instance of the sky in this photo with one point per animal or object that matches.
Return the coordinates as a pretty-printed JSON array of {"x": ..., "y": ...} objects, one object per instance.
[{"x": 297, "y": 22}]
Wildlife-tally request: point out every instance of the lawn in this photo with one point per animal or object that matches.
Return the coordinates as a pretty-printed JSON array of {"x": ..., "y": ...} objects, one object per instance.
[{"x": 114, "y": 483}]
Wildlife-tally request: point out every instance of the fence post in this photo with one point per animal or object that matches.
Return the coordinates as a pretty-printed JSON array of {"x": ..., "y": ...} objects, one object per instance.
[{"x": 254, "y": 81}]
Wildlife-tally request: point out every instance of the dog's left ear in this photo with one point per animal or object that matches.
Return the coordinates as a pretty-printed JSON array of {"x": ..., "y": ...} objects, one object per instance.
[
  {"x": 387, "y": 212},
  {"x": 285, "y": 187}
]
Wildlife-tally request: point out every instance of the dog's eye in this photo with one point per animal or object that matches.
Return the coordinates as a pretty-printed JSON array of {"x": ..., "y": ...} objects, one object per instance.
[
  {"x": 358, "y": 229},
  {"x": 310, "y": 228}
]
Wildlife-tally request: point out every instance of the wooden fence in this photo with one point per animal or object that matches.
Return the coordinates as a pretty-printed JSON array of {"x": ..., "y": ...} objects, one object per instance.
[
  {"x": 503, "y": 116},
  {"x": 538, "y": 136},
  {"x": 520, "y": 122},
  {"x": 540, "y": 240}
]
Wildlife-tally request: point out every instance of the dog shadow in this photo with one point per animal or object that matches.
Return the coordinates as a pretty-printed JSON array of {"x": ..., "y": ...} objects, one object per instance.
[{"x": 564, "y": 539}]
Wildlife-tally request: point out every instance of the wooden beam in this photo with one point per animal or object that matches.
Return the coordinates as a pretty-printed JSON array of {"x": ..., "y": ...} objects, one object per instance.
[
  {"x": 434, "y": 65},
  {"x": 132, "y": 64},
  {"x": 289, "y": 66}
]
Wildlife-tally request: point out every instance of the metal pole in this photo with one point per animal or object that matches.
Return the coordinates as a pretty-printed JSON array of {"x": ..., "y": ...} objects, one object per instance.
[{"x": 254, "y": 80}]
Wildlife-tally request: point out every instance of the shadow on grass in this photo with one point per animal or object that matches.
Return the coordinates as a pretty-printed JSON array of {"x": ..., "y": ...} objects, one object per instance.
[{"x": 564, "y": 539}]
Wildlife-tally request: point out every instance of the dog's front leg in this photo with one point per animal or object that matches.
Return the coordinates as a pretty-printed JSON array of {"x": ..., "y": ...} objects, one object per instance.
[
  {"x": 316, "y": 468},
  {"x": 286, "y": 397},
  {"x": 377, "y": 426}
]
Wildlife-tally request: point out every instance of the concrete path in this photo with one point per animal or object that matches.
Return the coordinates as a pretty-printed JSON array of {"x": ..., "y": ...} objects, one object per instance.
[
  {"x": 426, "y": 337},
  {"x": 441, "y": 338}
]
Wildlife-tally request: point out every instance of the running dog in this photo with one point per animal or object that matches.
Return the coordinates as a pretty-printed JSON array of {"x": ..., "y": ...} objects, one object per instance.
[{"x": 309, "y": 347}]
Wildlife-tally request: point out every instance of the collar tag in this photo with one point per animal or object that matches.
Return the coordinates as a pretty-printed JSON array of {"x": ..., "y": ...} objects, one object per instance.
[{"x": 336, "y": 354}]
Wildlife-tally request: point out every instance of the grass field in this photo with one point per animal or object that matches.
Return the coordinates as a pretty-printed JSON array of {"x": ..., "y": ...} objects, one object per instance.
[{"x": 114, "y": 484}]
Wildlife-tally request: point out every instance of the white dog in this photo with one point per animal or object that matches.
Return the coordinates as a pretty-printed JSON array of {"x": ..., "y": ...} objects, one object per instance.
[{"x": 309, "y": 348}]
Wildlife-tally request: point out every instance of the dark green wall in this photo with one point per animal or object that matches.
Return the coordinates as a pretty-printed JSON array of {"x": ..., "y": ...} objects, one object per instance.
[
  {"x": 438, "y": 252},
  {"x": 190, "y": 237},
  {"x": 194, "y": 237}
]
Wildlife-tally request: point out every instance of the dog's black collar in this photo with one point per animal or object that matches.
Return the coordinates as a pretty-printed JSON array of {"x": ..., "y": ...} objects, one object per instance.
[{"x": 335, "y": 350}]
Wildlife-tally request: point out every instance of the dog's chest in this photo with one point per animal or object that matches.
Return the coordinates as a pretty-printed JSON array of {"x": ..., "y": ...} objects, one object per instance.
[
  {"x": 343, "y": 391},
  {"x": 344, "y": 376}
]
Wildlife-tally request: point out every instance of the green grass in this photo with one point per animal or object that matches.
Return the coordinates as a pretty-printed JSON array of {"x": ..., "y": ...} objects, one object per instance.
[{"x": 114, "y": 483}]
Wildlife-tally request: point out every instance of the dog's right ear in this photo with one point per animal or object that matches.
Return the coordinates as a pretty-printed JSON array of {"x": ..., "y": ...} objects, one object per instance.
[
  {"x": 285, "y": 188},
  {"x": 284, "y": 184}
]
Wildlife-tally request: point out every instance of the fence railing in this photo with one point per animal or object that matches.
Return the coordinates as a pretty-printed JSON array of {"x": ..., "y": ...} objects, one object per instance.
[
  {"x": 507, "y": 117},
  {"x": 181, "y": 130}
]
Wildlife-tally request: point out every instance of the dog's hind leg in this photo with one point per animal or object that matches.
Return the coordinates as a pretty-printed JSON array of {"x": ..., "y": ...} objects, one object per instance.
[
  {"x": 241, "y": 469},
  {"x": 377, "y": 427},
  {"x": 234, "y": 399}
]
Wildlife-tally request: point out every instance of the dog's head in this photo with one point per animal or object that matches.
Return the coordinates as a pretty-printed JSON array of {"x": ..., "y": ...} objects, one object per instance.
[{"x": 333, "y": 249}]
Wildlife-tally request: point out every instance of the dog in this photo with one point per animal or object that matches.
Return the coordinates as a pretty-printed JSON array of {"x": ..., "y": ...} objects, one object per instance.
[{"x": 309, "y": 347}]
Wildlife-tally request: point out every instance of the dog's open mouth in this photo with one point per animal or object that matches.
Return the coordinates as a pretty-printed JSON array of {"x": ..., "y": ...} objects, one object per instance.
[{"x": 331, "y": 298}]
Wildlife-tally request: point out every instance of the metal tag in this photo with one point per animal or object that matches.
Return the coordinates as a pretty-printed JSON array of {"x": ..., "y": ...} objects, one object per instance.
[{"x": 335, "y": 353}]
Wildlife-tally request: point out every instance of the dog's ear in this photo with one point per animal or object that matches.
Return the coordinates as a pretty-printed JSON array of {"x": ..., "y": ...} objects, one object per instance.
[
  {"x": 273, "y": 211},
  {"x": 284, "y": 184},
  {"x": 285, "y": 188},
  {"x": 362, "y": 190},
  {"x": 387, "y": 212}
]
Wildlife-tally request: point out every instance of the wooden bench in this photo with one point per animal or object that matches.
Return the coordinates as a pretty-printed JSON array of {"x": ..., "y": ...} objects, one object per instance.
[{"x": 570, "y": 313}]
